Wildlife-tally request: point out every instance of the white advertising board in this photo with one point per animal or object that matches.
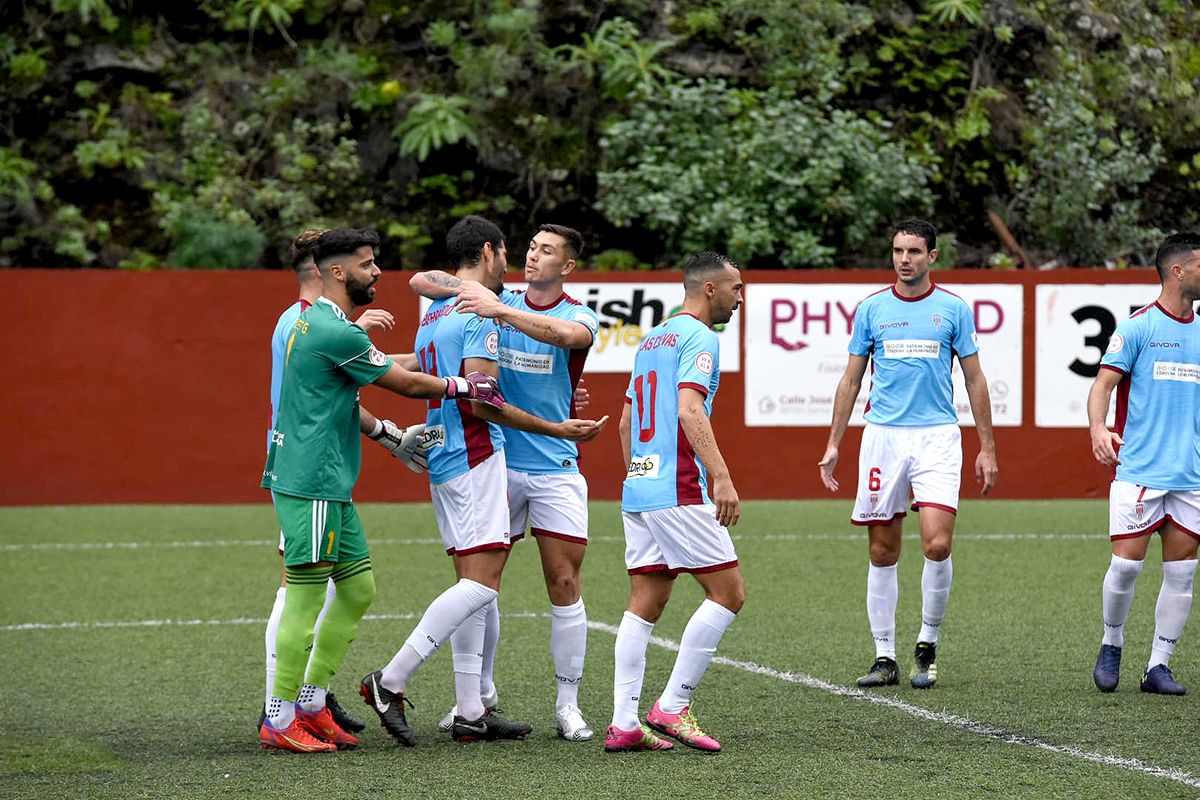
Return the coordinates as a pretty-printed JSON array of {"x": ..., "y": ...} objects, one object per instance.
[
  {"x": 627, "y": 311},
  {"x": 796, "y": 340},
  {"x": 1074, "y": 323}
]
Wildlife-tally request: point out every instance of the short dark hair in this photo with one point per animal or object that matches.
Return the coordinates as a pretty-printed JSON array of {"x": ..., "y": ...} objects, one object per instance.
[
  {"x": 918, "y": 227},
  {"x": 302, "y": 248},
  {"x": 572, "y": 237},
  {"x": 342, "y": 242},
  {"x": 1174, "y": 246},
  {"x": 465, "y": 240},
  {"x": 700, "y": 265}
]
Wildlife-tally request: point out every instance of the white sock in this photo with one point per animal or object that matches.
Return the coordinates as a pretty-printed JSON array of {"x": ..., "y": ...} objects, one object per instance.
[
  {"x": 696, "y": 650},
  {"x": 467, "y": 645},
  {"x": 312, "y": 698},
  {"x": 629, "y": 668},
  {"x": 447, "y": 611},
  {"x": 271, "y": 636},
  {"x": 280, "y": 712},
  {"x": 568, "y": 644},
  {"x": 491, "y": 639},
  {"x": 935, "y": 591},
  {"x": 1118, "y": 597},
  {"x": 882, "y": 593},
  {"x": 1171, "y": 612}
]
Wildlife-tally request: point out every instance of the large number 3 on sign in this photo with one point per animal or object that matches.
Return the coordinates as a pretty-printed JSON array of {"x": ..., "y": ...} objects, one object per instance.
[{"x": 645, "y": 432}]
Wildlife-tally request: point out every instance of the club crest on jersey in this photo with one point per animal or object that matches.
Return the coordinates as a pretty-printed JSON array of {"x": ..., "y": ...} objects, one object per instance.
[
  {"x": 704, "y": 363},
  {"x": 376, "y": 356},
  {"x": 1139, "y": 508},
  {"x": 937, "y": 320},
  {"x": 644, "y": 467},
  {"x": 492, "y": 343},
  {"x": 874, "y": 499}
]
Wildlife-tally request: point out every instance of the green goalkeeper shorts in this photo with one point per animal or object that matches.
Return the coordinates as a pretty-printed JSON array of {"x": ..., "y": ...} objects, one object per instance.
[{"x": 319, "y": 530}]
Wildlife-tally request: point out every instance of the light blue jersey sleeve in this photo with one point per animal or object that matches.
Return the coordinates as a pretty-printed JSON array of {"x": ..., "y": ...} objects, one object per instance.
[
  {"x": 481, "y": 339},
  {"x": 966, "y": 340},
  {"x": 698, "y": 361},
  {"x": 279, "y": 340},
  {"x": 1126, "y": 343},
  {"x": 861, "y": 341}
]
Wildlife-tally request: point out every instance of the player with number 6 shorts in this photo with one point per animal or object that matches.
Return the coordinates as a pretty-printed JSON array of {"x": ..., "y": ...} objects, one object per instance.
[
  {"x": 1153, "y": 360},
  {"x": 909, "y": 333}
]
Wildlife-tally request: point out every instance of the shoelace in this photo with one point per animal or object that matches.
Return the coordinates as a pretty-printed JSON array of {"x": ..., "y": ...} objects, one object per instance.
[{"x": 688, "y": 723}]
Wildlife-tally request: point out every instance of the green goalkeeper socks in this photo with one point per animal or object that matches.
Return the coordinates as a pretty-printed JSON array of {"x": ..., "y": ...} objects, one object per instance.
[
  {"x": 355, "y": 590},
  {"x": 302, "y": 605}
]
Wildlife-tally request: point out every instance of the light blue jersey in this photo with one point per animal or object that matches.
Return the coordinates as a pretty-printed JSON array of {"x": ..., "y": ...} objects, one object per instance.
[
  {"x": 911, "y": 342},
  {"x": 664, "y": 471},
  {"x": 541, "y": 378},
  {"x": 455, "y": 439},
  {"x": 279, "y": 340},
  {"x": 1158, "y": 399}
]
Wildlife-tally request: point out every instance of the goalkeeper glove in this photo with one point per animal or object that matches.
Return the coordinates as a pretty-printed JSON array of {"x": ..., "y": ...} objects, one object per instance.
[
  {"x": 403, "y": 443},
  {"x": 476, "y": 386}
]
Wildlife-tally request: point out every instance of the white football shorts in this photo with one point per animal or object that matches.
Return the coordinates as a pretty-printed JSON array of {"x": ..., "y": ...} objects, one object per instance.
[
  {"x": 554, "y": 505},
  {"x": 679, "y": 539},
  {"x": 1137, "y": 510},
  {"x": 472, "y": 509},
  {"x": 894, "y": 459}
]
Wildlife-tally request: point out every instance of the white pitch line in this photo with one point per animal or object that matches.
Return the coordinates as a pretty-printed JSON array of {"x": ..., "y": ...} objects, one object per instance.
[
  {"x": 964, "y": 723},
  {"x": 954, "y": 720},
  {"x": 749, "y": 537}
]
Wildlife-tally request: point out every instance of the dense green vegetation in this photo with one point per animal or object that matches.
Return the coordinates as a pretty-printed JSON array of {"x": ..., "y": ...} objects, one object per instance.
[{"x": 786, "y": 132}]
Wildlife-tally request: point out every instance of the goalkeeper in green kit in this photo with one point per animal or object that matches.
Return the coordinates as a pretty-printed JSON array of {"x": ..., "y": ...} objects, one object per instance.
[{"x": 312, "y": 465}]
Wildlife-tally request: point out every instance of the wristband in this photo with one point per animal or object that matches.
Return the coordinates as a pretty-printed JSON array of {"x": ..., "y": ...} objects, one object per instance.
[{"x": 377, "y": 431}]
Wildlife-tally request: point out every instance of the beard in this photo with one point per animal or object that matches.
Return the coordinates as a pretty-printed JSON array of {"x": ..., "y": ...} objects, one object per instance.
[{"x": 361, "y": 294}]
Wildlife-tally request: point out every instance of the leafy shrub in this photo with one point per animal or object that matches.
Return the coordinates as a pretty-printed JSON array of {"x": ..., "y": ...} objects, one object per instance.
[
  {"x": 216, "y": 243},
  {"x": 756, "y": 174}
]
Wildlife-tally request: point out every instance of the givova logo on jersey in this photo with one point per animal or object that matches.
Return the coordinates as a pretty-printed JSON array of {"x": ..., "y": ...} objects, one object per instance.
[
  {"x": 644, "y": 467},
  {"x": 434, "y": 436}
]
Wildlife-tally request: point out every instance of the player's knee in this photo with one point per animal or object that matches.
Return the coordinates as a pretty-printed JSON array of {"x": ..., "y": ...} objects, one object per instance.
[
  {"x": 563, "y": 587},
  {"x": 937, "y": 549},
  {"x": 735, "y": 599},
  {"x": 359, "y": 591},
  {"x": 884, "y": 554}
]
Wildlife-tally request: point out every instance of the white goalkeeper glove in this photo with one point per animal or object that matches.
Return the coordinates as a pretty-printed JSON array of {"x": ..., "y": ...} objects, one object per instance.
[{"x": 403, "y": 443}]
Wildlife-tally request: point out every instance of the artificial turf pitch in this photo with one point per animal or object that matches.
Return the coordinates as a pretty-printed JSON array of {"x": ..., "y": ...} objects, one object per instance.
[{"x": 133, "y": 644}]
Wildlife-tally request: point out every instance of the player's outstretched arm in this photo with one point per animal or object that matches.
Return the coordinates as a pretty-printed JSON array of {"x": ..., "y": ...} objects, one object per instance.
[
  {"x": 698, "y": 429},
  {"x": 1104, "y": 441},
  {"x": 407, "y": 360},
  {"x": 843, "y": 403},
  {"x": 551, "y": 330},
  {"x": 403, "y": 443},
  {"x": 986, "y": 469},
  {"x": 481, "y": 388},
  {"x": 436, "y": 284},
  {"x": 625, "y": 427},
  {"x": 578, "y": 430}
]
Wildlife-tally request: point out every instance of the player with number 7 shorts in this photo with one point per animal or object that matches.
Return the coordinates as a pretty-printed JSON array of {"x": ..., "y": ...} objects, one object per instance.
[{"x": 910, "y": 332}]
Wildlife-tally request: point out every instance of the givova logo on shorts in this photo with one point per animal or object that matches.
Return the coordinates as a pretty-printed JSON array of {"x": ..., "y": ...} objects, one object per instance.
[{"x": 644, "y": 467}]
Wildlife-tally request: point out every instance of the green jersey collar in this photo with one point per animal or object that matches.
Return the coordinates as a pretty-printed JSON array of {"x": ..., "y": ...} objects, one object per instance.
[{"x": 336, "y": 309}]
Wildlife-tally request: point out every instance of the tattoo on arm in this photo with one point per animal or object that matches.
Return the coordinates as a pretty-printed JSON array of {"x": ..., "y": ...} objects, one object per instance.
[{"x": 444, "y": 280}]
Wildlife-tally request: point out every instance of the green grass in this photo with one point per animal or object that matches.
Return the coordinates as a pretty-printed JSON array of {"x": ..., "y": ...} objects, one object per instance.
[{"x": 169, "y": 710}]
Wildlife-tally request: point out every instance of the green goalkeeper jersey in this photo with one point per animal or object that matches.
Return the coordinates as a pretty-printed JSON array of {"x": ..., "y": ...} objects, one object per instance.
[{"x": 315, "y": 449}]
